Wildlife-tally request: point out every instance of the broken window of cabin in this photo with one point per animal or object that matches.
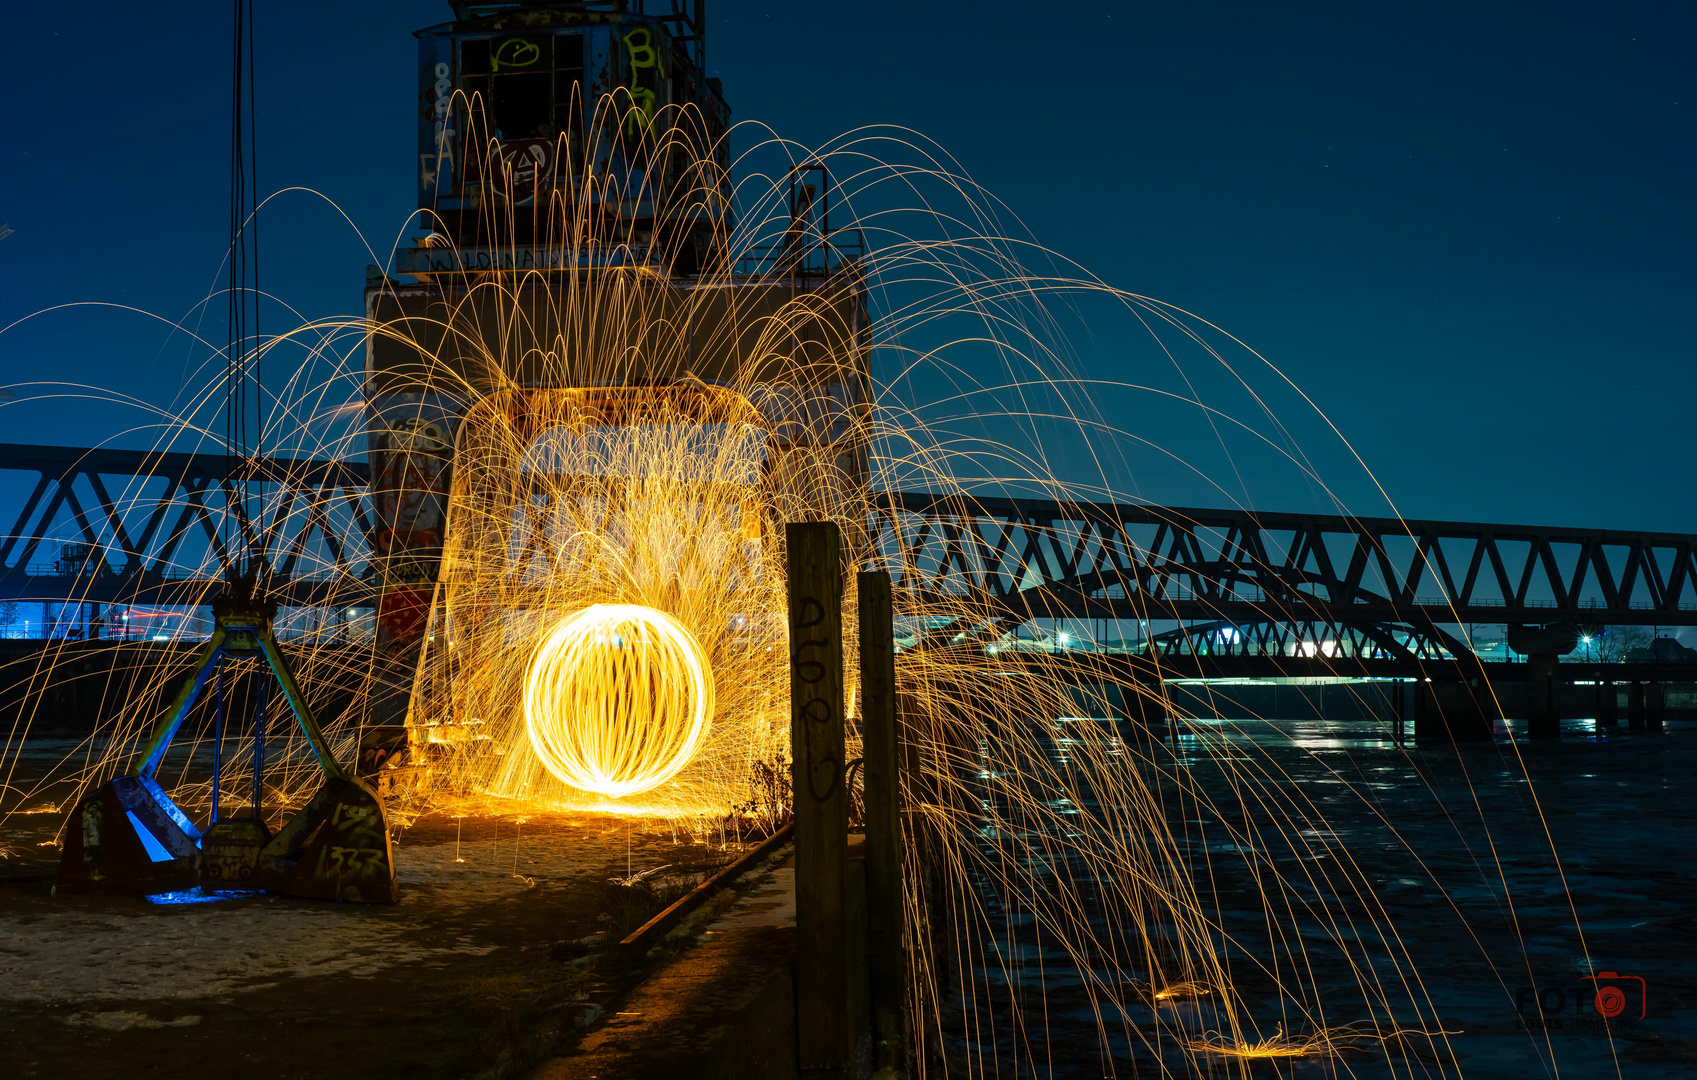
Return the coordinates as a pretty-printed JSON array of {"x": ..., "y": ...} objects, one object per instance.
[{"x": 525, "y": 83}]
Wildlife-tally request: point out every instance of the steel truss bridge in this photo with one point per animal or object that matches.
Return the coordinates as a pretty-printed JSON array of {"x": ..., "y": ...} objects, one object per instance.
[
  {"x": 1220, "y": 591},
  {"x": 107, "y": 526}
]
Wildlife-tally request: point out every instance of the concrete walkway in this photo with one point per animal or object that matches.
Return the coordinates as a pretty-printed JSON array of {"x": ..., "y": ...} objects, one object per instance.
[{"x": 724, "y": 1008}]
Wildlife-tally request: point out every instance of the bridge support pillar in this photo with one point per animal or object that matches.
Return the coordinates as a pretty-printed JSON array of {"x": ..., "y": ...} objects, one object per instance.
[
  {"x": 1608, "y": 705},
  {"x": 1145, "y": 711},
  {"x": 1655, "y": 706},
  {"x": 1543, "y": 721},
  {"x": 1449, "y": 711},
  {"x": 1635, "y": 718}
]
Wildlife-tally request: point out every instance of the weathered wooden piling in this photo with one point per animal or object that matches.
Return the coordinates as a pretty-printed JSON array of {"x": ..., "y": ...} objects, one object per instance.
[
  {"x": 880, "y": 735},
  {"x": 824, "y": 1029}
]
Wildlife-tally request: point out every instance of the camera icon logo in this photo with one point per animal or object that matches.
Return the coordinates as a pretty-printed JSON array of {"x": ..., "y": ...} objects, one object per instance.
[{"x": 1611, "y": 993}]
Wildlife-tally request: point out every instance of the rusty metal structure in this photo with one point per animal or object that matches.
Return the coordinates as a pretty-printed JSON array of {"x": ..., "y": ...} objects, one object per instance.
[
  {"x": 128, "y": 835},
  {"x": 575, "y": 201},
  {"x": 515, "y": 84}
]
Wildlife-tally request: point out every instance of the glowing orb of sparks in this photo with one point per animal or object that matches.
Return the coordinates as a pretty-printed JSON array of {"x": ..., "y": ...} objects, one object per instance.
[{"x": 617, "y": 699}]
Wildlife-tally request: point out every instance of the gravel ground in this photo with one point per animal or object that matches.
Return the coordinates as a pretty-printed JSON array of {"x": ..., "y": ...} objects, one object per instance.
[{"x": 475, "y": 972}]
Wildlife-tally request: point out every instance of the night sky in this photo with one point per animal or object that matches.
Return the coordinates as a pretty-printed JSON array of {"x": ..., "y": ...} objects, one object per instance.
[{"x": 1466, "y": 231}]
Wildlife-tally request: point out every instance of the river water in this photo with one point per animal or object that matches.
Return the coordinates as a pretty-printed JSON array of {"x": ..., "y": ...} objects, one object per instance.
[{"x": 1499, "y": 905}]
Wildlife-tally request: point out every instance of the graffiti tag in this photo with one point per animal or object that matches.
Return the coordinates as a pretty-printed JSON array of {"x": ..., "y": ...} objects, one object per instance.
[
  {"x": 432, "y": 163},
  {"x": 819, "y": 712},
  {"x": 645, "y": 66},
  {"x": 356, "y": 849},
  {"x": 514, "y": 53}
]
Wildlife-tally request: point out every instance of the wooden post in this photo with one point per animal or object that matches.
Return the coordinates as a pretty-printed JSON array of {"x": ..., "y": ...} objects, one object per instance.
[
  {"x": 823, "y": 1029},
  {"x": 878, "y": 728},
  {"x": 1399, "y": 692}
]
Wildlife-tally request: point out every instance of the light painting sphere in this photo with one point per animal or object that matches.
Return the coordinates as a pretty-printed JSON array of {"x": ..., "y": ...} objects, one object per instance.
[{"x": 617, "y": 699}]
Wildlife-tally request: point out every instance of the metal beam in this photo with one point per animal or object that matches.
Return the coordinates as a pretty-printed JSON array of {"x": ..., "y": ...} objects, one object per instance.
[
  {"x": 166, "y": 542},
  {"x": 1041, "y": 558},
  {"x": 1027, "y": 558}
]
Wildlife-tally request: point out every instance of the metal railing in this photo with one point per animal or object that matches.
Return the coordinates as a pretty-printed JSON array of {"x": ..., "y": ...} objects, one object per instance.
[{"x": 839, "y": 249}]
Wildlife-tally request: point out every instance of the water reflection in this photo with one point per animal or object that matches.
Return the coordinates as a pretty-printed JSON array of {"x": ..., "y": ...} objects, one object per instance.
[{"x": 1347, "y": 876}]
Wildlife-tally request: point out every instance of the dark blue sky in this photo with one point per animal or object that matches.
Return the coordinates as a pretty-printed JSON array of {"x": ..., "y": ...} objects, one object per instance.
[{"x": 1467, "y": 231}]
